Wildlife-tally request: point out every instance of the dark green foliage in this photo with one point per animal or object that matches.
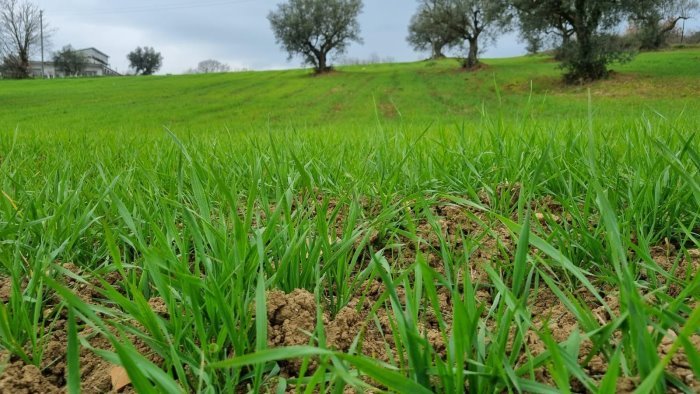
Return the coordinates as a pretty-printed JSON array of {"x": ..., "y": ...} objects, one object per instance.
[
  {"x": 588, "y": 46},
  {"x": 534, "y": 43},
  {"x": 472, "y": 20},
  {"x": 590, "y": 63},
  {"x": 458, "y": 23},
  {"x": 427, "y": 31},
  {"x": 69, "y": 61},
  {"x": 145, "y": 61},
  {"x": 653, "y": 21},
  {"x": 316, "y": 29}
]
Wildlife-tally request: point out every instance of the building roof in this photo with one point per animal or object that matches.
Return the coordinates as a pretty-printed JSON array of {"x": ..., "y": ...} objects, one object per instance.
[{"x": 93, "y": 49}]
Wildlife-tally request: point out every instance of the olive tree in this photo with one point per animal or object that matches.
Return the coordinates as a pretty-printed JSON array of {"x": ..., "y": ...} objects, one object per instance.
[
  {"x": 69, "y": 61},
  {"x": 20, "y": 34},
  {"x": 655, "y": 20},
  {"x": 474, "y": 20},
  {"x": 463, "y": 23},
  {"x": 145, "y": 61},
  {"x": 428, "y": 28},
  {"x": 556, "y": 32},
  {"x": 587, "y": 53},
  {"x": 212, "y": 66},
  {"x": 316, "y": 29}
]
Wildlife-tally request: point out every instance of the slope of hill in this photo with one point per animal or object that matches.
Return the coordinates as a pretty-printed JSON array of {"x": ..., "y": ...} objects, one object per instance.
[{"x": 417, "y": 93}]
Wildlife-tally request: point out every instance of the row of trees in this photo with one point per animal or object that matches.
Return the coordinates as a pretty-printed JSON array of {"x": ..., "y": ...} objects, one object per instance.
[{"x": 581, "y": 31}]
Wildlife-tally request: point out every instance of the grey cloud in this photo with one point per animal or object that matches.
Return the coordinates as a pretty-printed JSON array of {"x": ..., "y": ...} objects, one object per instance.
[{"x": 235, "y": 31}]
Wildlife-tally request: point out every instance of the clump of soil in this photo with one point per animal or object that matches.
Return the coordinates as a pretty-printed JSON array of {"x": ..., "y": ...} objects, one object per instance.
[
  {"x": 5, "y": 289},
  {"x": 486, "y": 240},
  {"x": 25, "y": 379},
  {"x": 546, "y": 308},
  {"x": 343, "y": 330},
  {"x": 159, "y": 306},
  {"x": 50, "y": 375},
  {"x": 291, "y": 317},
  {"x": 675, "y": 265},
  {"x": 680, "y": 365},
  {"x": 292, "y": 321}
]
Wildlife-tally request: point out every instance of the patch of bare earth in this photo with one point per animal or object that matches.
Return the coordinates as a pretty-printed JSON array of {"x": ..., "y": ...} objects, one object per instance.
[
  {"x": 50, "y": 376},
  {"x": 5, "y": 289},
  {"x": 547, "y": 309},
  {"x": 292, "y": 316},
  {"x": 675, "y": 265},
  {"x": 292, "y": 321}
]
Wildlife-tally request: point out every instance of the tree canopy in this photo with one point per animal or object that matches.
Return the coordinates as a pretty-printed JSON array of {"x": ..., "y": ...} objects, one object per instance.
[
  {"x": 316, "y": 29},
  {"x": 458, "y": 23},
  {"x": 589, "y": 44},
  {"x": 69, "y": 61},
  {"x": 428, "y": 28},
  {"x": 654, "y": 20},
  {"x": 20, "y": 34},
  {"x": 145, "y": 61},
  {"x": 212, "y": 66}
]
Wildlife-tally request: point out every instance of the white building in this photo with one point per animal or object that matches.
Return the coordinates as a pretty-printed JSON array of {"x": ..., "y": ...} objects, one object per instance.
[{"x": 97, "y": 66}]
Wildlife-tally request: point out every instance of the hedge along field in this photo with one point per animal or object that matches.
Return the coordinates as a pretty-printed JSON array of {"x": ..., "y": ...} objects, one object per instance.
[{"x": 235, "y": 232}]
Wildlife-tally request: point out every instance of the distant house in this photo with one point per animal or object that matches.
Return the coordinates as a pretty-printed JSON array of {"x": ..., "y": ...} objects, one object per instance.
[{"x": 97, "y": 66}]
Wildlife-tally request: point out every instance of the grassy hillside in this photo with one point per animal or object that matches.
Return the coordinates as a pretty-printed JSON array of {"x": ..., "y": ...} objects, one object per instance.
[
  {"x": 416, "y": 93},
  {"x": 393, "y": 228}
]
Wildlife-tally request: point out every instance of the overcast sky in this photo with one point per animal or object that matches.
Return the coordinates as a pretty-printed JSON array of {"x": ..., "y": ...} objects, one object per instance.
[{"x": 235, "y": 31}]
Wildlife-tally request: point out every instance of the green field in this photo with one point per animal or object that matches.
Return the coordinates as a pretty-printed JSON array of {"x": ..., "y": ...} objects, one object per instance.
[
  {"x": 398, "y": 227},
  {"x": 416, "y": 94}
]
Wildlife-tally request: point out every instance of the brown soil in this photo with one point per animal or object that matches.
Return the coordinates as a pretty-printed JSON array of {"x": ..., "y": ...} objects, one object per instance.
[
  {"x": 674, "y": 265},
  {"x": 159, "y": 306},
  {"x": 290, "y": 317},
  {"x": 455, "y": 224},
  {"x": 388, "y": 110},
  {"x": 292, "y": 321},
  {"x": 50, "y": 375},
  {"x": 293, "y": 316},
  {"x": 25, "y": 379},
  {"x": 367, "y": 319},
  {"x": 679, "y": 365},
  {"x": 5, "y": 289}
]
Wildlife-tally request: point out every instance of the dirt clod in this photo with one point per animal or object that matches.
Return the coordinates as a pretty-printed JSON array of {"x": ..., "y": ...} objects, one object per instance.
[
  {"x": 25, "y": 379},
  {"x": 291, "y": 317},
  {"x": 158, "y": 306}
]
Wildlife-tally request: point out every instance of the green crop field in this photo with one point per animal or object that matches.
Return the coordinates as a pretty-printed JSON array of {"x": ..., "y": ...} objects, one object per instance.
[{"x": 401, "y": 227}]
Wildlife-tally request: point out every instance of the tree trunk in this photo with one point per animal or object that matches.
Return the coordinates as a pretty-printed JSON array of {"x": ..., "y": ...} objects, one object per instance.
[
  {"x": 437, "y": 51},
  {"x": 322, "y": 66},
  {"x": 23, "y": 70},
  {"x": 587, "y": 66},
  {"x": 655, "y": 36},
  {"x": 473, "y": 56},
  {"x": 565, "y": 40}
]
